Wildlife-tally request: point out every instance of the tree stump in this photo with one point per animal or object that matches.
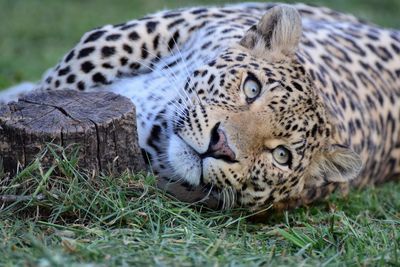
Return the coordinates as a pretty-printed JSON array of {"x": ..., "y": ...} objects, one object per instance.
[{"x": 102, "y": 124}]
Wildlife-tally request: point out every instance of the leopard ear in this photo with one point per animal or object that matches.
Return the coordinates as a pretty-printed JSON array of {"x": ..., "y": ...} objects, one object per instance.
[
  {"x": 337, "y": 164},
  {"x": 278, "y": 32}
]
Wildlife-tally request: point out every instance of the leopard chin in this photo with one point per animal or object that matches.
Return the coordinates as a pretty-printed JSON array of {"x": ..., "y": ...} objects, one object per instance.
[{"x": 184, "y": 161}]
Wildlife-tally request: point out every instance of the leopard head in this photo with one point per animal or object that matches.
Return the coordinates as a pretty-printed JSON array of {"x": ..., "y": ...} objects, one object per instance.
[{"x": 257, "y": 127}]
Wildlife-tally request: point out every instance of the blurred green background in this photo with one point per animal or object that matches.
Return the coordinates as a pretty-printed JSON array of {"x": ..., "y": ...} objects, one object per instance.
[{"x": 35, "y": 34}]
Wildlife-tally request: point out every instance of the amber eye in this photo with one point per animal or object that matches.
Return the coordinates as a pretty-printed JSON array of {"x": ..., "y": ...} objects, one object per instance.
[
  {"x": 251, "y": 88},
  {"x": 282, "y": 155}
]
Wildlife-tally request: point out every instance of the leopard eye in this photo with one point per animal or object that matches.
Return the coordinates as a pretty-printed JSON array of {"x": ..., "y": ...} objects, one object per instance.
[
  {"x": 252, "y": 89},
  {"x": 282, "y": 155}
]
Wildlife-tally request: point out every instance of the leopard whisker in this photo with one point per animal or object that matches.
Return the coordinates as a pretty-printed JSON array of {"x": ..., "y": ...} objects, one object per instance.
[
  {"x": 174, "y": 86},
  {"x": 185, "y": 65},
  {"x": 184, "y": 96}
]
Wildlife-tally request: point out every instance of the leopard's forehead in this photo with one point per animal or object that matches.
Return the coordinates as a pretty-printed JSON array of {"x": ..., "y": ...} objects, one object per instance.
[{"x": 219, "y": 81}]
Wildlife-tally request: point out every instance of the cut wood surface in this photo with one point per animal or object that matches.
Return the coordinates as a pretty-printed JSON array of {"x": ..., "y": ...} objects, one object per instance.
[{"x": 101, "y": 124}]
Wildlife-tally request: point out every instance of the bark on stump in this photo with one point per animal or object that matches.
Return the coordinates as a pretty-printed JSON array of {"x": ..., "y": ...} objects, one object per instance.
[{"x": 102, "y": 124}]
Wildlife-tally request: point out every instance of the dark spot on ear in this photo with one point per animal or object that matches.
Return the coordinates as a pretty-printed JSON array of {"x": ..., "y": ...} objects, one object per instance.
[{"x": 268, "y": 34}]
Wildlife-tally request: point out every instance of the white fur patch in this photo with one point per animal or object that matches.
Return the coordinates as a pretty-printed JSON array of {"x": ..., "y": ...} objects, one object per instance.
[
  {"x": 185, "y": 162},
  {"x": 13, "y": 93}
]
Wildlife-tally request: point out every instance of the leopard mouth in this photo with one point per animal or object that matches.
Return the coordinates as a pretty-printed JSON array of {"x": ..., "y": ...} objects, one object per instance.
[
  {"x": 201, "y": 158},
  {"x": 224, "y": 158},
  {"x": 189, "y": 169},
  {"x": 211, "y": 152}
]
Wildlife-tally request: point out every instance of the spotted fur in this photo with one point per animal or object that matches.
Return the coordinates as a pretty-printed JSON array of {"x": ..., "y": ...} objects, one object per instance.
[{"x": 330, "y": 94}]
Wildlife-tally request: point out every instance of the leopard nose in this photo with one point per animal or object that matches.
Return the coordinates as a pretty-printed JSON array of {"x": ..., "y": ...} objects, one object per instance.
[{"x": 219, "y": 147}]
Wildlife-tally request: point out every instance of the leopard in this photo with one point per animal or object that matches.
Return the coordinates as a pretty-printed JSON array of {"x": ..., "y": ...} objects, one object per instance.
[{"x": 250, "y": 105}]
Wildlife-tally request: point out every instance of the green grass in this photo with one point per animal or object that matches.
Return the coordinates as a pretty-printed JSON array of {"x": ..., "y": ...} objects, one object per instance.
[{"x": 67, "y": 218}]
